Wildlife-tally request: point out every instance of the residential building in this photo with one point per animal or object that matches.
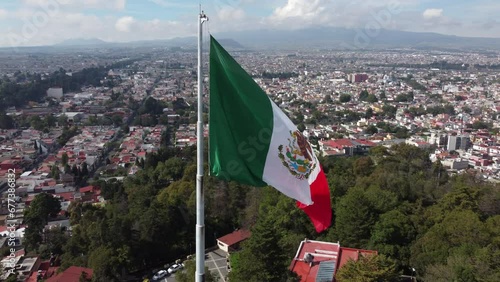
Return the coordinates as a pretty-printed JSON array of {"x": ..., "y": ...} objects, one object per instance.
[{"x": 318, "y": 261}]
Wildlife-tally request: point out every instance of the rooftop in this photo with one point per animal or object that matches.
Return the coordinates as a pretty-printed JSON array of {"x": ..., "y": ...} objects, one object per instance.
[
  {"x": 235, "y": 237},
  {"x": 72, "y": 274},
  {"x": 318, "y": 261}
]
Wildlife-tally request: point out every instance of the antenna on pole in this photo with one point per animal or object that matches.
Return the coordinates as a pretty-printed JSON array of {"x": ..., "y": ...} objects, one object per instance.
[{"x": 200, "y": 198}]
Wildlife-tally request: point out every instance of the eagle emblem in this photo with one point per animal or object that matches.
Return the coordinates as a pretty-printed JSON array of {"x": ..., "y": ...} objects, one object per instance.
[{"x": 298, "y": 156}]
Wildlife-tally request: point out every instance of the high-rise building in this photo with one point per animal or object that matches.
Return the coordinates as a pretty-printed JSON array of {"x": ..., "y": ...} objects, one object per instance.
[
  {"x": 357, "y": 77},
  {"x": 458, "y": 142}
]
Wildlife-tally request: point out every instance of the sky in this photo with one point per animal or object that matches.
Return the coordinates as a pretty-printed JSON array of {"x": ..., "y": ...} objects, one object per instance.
[{"x": 47, "y": 22}]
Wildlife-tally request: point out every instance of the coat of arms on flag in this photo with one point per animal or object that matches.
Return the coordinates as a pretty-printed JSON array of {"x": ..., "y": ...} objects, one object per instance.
[{"x": 298, "y": 157}]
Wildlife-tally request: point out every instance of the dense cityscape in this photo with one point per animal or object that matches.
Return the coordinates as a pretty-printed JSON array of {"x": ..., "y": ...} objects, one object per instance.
[
  {"x": 73, "y": 123},
  {"x": 382, "y": 161}
]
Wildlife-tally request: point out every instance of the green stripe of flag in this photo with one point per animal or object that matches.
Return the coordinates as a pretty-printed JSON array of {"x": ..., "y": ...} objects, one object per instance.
[{"x": 240, "y": 113}]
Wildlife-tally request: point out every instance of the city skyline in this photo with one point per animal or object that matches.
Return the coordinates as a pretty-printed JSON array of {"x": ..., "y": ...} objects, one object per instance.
[{"x": 47, "y": 22}]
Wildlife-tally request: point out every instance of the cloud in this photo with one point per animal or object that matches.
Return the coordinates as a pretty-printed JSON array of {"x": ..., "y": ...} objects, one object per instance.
[
  {"x": 172, "y": 4},
  {"x": 78, "y": 18},
  {"x": 340, "y": 13},
  {"x": 124, "y": 24},
  {"x": 67, "y": 25},
  {"x": 490, "y": 24},
  {"x": 3, "y": 14},
  {"x": 301, "y": 9},
  {"x": 432, "y": 13},
  {"x": 78, "y": 4},
  {"x": 229, "y": 13}
]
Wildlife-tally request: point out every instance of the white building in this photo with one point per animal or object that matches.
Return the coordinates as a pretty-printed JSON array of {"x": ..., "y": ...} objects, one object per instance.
[{"x": 55, "y": 92}]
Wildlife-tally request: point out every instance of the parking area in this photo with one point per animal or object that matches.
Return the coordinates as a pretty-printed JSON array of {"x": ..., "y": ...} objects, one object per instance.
[
  {"x": 217, "y": 263},
  {"x": 170, "y": 279}
]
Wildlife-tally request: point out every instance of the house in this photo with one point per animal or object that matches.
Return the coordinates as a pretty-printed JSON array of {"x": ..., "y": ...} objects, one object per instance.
[
  {"x": 347, "y": 147},
  {"x": 317, "y": 261},
  {"x": 72, "y": 274},
  {"x": 24, "y": 266},
  {"x": 90, "y": 194},
  {"x": 231, "y": 241}
]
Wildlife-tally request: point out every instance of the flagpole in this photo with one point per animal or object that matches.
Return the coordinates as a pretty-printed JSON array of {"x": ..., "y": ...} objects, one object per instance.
[{"x": 200, "y": 198}]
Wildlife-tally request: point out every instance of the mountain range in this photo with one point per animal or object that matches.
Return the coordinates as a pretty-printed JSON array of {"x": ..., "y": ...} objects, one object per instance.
[
  {"x": 344, "y": 38},
  {"x": 317, "y": 38}
]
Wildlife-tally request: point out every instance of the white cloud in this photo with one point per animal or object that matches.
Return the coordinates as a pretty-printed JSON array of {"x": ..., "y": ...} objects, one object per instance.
[
  {"x": 67, "y": 25},
  {"x": 74, "y": 18},
  {"x": 432, "y": 13},
  {"x": 124, "y": 24},
  {"x": 78, "y": 4},
  {"x": 342, "y": 13},
  {"x": 3, "y": 14},
  {"x": 303, "y": 9},
  {"x": 173, "y": 4},
  {"x": 229, "y": 13}
]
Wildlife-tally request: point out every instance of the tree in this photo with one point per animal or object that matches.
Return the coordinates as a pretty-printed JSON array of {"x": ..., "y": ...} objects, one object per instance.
[
  {"x": 36, "y": 217},
  {"x": 481, "y": 125},
  {"x": 85, "y": 169},
  {"x": 371, "y": 98},
  {"x": 371, "y": 129},
  {"x": 117, "y": 120},
  {"x": 62, "y": 120},
  {"x": 6, "y": 122},
  {"x": 344, "y": 98},
  {"x": 393, "y": 234},
  {"x": 355, "y": 218},
  {"x": 104, "y": 264},
  {"x": 54, "y": 172},
  {"x": 54, "y": 239},
  {"x": 64, "y": 159},
  {"x": 363, "y": 96},
  {"x": 50, "y": 120},
  {"x": 368, "y": 268},
  {"x": 444, "y": 238},
  {"x": 36, "y": 122},
  {"x": 262, "y": 258},
  {"x": 369, "y": 113},
  {"x": 389, "y": 111},
  {"x": 363, "y": 166},
  {"x": 328, "y": 99},
  {"x": 75, "y": 171},
  {"x": 12, "y": 278},
  {"x": 43, "y": 206},
  {"x": 84, "y": 277}
]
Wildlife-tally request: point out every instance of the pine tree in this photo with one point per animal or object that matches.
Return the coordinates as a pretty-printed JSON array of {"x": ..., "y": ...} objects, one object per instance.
[
  {"x": 262, "y": 258},
  {"x": 367, "y": 269}
]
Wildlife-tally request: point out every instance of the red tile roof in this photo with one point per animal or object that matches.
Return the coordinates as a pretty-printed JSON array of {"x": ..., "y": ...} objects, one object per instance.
[
  {"x": 347, "y": 254},
  {"x": 305, "y": 270},
  {"x": 322, "y": 251},
  {"x": 87, "y": 189},
  {"x": 71, "y": 274},
  {"x": 68, "y": 196},
  {"x": 235, "y": 237},
  {"x": 366, "y": 142}
]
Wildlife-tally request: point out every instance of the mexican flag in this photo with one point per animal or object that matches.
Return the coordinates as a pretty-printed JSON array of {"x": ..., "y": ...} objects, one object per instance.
[{"x": 252, "y": 141}]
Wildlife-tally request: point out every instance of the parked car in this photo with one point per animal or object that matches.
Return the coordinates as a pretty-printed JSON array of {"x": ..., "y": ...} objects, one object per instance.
[
  {"x": 160, "y": 274},
  {"x": 175, "y": 267}
]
